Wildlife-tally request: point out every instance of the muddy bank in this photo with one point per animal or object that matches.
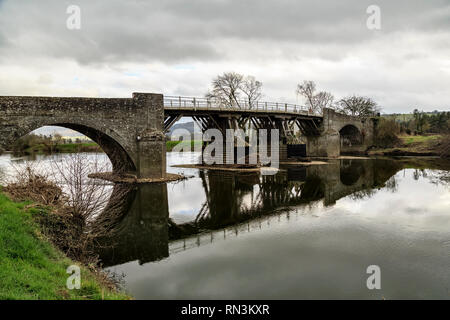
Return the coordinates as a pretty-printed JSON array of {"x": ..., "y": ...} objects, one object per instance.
[{"x": 129, "y": 178}]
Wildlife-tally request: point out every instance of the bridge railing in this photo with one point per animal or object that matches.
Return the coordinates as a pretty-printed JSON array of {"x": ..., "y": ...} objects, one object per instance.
[{"x": 207, "y": 104}]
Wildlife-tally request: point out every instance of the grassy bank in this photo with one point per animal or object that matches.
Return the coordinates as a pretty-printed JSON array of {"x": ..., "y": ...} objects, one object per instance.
[
  {"x": 62, "y": 148},
  {"x": 31, "y": 267},
  {"x": 171, "y": 144},
  {"x": 432, "y": 144}
]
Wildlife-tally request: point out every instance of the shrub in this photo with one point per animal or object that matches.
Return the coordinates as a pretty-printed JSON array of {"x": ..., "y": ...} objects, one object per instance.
[{"x": 386, "y": 133}]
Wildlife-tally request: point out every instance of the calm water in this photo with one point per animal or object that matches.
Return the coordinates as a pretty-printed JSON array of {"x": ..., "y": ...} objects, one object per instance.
[{"x": 307, "y": 232}]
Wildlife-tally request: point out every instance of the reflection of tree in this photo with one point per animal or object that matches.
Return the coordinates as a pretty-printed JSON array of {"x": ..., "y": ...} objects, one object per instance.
[
  {"x": 439, "y": 177},
  {"x": 362, "y": 194},
  {"x": 392, "y": 184},
  {"x": 418, "y": 173}
]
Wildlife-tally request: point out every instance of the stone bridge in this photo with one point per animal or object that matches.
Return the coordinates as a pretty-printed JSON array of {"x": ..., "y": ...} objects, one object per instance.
[{"x": 131, "y": 131}]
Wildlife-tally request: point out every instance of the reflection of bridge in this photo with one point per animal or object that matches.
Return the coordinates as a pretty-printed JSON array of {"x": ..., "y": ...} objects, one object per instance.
[
  {"x": 235, "y": 204},
  {"x": 131, "y": 131}
]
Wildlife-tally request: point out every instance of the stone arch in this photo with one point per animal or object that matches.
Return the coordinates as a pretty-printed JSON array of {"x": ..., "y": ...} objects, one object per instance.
[
  {"x": 111, "y": 143},
  {"x": 350, "y": 135}
]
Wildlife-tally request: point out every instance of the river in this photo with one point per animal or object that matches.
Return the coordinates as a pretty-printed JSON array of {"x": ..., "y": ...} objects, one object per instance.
[{"x": 308, "y": 232}]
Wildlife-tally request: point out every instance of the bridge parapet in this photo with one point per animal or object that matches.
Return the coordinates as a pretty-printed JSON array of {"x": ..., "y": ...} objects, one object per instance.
[{"x": 174, "y": 102}]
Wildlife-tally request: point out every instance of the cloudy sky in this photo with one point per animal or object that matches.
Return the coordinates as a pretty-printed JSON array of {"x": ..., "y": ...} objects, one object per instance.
[{"x": 176, "y": 47}]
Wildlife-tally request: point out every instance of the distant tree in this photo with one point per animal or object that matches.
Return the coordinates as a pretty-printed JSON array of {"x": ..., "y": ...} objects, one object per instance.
[
  {"x": 316, "y": 102},
  {"x": 359, "y": 106},
  {"x": 419, "y": 120},
  {"x": 57, "y": 138}
]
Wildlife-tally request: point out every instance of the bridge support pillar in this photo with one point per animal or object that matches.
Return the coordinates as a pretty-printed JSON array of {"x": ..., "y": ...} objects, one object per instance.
[
  {"x": 151, "y": 155},
  {"x": 151, "y": 141},
  {"x": 328, "y": 144},
  {"x": 283, "y": 150}
]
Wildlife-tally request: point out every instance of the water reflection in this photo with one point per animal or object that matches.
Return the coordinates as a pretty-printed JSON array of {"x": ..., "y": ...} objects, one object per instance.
[
  {"x": 138, "y": 220},
  {"x": 307, "y": 232},
  {"x": 143, "y": 227}
]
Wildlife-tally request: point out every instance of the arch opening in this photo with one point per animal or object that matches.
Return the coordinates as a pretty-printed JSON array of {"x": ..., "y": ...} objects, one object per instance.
[
  {"x": 119, "y": 157},
  {"x": 350, "y": 136}
]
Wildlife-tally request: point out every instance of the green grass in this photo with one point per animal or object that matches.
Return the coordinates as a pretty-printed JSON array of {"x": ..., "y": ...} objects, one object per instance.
[
  {"x": 171, "y": 144},
  {"x": 64, "y": 148},
  {"x": 79, "y": 147},
  {"x": 31, "y": 267},
  {"x": 419, "y": 139}
]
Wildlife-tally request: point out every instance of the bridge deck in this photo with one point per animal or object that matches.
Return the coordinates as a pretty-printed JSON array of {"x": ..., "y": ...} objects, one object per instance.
[{"x": 196, "y": 106}]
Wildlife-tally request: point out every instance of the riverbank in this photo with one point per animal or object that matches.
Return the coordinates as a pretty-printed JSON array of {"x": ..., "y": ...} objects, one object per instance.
[
  {"x": 61, "y": 148},
  {"x": 420, "y": 145},
  {"x": 32, "y": 268},
  {"x": 89, "y": 147}
]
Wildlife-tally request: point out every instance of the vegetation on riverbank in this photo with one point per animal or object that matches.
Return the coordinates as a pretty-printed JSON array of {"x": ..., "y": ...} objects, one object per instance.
[
  {"x": 170, "y": 145},
  {"x": 421, "y": 145},
  {"x": 38, "y": 144},
  {"x": 61, "y": 220},
  {"x": 417, "y": 135},
  {"x": 31, "y": 267}
]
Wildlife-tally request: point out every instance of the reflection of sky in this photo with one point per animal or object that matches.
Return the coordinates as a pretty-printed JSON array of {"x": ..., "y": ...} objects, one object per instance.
[
  {"x": 185, "y": 197},
  {"x": 419, "y": 202}
]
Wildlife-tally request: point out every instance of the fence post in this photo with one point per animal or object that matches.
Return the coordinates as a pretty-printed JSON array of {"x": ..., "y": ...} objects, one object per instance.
[
  {"x": 179, "y": 100},
  {"x": 195, "y": 109},
  {"x": 285, "y": 107}
]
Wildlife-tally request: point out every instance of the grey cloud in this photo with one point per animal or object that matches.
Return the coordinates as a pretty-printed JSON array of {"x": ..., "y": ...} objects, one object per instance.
[
  {"x": 177, "y": 30},
  {"x": 281, "y": 42}
]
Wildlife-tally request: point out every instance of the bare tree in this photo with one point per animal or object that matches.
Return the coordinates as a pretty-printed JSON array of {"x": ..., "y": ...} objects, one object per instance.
[
  {"x": 252, "y": 90},
  {"x": 226, "y": 89},
  {"x": 75, "y": 200},
  {"x": 359, "y": 106},
  {"x": 307, "y": 90},
  {"x": 86, "y": 196},
  {"x": 323, "y": 100},
  {"x": 316, "y": 102}
]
